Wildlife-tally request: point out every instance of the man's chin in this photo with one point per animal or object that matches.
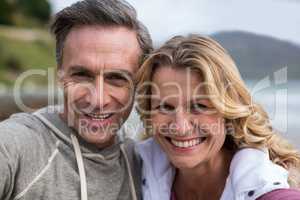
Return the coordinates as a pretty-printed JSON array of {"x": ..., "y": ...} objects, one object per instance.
[
  {"x": 98, "y": 132},
  {"x": 92, "y": 124},
  {"x": 99, "y": 139}
]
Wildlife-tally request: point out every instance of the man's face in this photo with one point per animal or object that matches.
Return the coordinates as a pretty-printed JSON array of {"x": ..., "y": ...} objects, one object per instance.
[{"x": 98, "y": 70}]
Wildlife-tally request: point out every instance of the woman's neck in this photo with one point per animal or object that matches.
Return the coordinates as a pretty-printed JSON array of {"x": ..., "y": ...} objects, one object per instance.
[{"x": 205, "y": 181}]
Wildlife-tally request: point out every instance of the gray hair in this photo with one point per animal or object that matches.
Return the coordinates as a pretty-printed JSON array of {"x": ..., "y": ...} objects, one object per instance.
[{"x": 99, "y": 12}]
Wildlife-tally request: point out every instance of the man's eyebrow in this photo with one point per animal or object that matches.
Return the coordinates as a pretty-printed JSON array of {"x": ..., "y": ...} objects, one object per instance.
[
  {"x": 128, "y": 73},
  {"x": 78, "y": 68}
]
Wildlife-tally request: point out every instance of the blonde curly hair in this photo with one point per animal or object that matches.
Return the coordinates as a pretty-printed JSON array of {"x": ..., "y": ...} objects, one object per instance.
[{"x": 250, "y": 124}]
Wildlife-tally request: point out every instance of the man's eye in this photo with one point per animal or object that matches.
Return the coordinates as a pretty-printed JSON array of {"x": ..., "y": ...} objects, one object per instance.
[
  {"x": 116, "y": 79},
  {"x": 165, "y": 108},
  {"x": 81, "y": 75}
]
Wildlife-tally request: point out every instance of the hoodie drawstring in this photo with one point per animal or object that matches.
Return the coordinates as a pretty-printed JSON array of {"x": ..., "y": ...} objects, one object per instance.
[
  {"x": 132, "y": 187},
  {"x": 80, "y": 165},
  {"x": 78, "y": 155},
  {"x": 82, "y": 175}
]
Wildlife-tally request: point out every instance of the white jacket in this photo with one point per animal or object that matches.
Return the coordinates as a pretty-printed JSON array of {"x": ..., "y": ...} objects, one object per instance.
[{"x": 251, "y": 175}]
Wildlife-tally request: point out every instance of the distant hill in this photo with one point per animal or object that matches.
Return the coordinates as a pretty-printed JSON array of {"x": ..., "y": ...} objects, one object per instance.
[{"x": 258, "y": 56}]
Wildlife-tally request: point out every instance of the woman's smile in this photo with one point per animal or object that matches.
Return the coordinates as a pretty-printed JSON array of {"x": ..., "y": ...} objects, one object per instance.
[{"x": 185, "y": 144}]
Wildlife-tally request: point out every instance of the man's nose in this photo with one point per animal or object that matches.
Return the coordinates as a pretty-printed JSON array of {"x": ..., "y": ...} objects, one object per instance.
[
  {"x": 183, "y": 125},
  {"x": 99, "y": 97}
]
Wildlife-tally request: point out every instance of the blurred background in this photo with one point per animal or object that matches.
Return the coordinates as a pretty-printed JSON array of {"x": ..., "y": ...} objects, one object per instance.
[{"x": 263, "y": 37}]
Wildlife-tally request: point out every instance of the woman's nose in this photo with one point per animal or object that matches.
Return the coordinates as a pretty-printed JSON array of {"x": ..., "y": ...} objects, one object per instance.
[{"x": 183, "y": 125}]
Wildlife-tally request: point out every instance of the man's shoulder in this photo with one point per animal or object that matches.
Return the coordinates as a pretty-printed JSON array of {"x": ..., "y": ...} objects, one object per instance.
[
  {"x": 20, "y": 123},
  {"x": 22, "y": 130}
]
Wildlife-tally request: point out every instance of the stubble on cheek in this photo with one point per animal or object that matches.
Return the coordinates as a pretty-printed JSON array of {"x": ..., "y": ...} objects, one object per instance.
[{"x": 73, "y": 95}]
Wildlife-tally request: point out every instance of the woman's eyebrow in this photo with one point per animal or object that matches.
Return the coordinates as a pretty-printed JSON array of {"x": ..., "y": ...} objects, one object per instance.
[{"x": 201, "y": 97}]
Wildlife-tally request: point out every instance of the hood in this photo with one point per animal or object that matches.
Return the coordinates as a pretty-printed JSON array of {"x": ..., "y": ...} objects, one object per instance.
[
  {"x": 50, "y": 117},
  {"x": 107, "y": 156}
]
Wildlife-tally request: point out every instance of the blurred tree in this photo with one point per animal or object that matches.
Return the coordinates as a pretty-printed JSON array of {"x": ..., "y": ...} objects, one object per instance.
[
  {"x": 39, "y": 9},
  {"x": 24, "y": 12},
  {"x": 5, "y": 10}
]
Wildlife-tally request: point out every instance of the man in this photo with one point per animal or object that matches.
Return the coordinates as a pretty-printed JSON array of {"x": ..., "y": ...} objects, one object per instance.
[{"x": 73, "y": 152}]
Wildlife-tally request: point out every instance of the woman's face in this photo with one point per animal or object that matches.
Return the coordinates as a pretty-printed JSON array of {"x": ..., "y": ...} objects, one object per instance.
[{"x": 185, "y": 124}]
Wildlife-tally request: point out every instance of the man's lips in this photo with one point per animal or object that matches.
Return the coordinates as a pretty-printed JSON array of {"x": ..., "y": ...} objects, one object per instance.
[
  {"x": 97, "y": 116},
  {"x": 96, "y": 119}
]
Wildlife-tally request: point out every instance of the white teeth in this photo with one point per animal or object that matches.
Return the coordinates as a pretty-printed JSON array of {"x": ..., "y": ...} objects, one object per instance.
[
  {"x": 186, "y": 144},
  {"x": 191, "y": 143},
  {"x": 101, "y": 117}
]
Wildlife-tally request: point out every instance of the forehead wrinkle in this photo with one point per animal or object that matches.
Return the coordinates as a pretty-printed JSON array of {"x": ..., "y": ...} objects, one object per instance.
[
  {"x": 113, "y": 53},
  {"x": 101, "y": 59}
]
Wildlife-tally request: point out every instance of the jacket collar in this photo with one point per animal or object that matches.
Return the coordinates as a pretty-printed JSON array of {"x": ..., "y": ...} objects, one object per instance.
[
  {"x": 157, "y": 172},
  {"x": 252, "y": 174}
]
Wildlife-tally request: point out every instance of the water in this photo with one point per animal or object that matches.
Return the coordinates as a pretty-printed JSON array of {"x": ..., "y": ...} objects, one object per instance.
[{"x": 282, "y": 103}]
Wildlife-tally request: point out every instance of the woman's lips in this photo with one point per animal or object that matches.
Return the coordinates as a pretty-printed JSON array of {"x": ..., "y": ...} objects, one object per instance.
[{"x": 185, "y": 144}]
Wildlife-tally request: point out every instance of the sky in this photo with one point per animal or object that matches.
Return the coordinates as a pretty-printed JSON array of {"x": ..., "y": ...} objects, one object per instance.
[{"x": 165, "y": 18}]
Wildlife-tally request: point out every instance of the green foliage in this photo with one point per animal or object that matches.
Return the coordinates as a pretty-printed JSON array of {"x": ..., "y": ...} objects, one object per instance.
[
  {"x": 39, "y": 9},
  {"x": 30, "y": 54},
  {"x": 5, "y": 10},
  {"x": 18, "y": 55},
  {"x": 30, "y": 13}
]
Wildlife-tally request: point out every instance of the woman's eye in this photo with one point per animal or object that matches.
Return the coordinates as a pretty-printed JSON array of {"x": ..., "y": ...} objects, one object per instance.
[{"x": 198, "y": 108}]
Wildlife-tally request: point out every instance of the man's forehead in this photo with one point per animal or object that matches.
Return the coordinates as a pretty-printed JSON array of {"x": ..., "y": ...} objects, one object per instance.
[
  {"x": 95, "y": 47},
  {"x": 96, "y": 66},
  {"x": 108, "y": 38}
]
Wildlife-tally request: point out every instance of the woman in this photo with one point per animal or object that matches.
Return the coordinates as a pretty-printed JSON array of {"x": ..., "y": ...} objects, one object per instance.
[{"x": 209, "y": 140}]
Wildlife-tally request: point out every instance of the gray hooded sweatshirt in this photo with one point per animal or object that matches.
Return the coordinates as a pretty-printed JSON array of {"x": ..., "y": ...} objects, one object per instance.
[{"x": 42, "y": 158}]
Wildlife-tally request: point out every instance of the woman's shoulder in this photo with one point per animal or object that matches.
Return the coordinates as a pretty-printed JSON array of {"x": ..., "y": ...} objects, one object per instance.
[
  {"x": 252, "y": 168},
  {"x": 282, "y": 194}
]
